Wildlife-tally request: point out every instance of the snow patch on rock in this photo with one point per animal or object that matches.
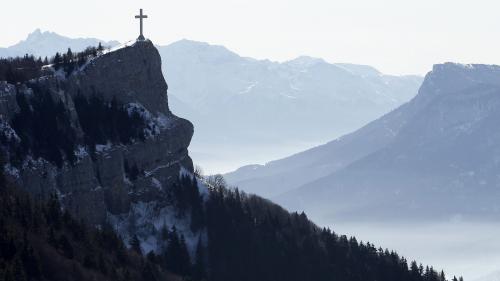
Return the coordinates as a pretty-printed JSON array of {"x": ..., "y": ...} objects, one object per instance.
[
  {"x": 146, "y": 219},
  {"x": 11, "y": 171},
  {"x": 8, "y": 132}
]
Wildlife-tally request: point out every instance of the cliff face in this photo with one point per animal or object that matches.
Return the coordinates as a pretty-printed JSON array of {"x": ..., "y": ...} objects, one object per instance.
[
  {"x": 97, "y": 186},
  {"x": 131, "y": 74}
]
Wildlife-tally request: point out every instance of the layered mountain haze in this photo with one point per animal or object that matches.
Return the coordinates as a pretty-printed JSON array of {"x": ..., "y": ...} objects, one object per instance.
[
  {"x": 435, "y": 158},
  {"x": 251, "y": 111},
  {"x": 265, "y": 109},
  {"x": 424, "y": 174}
]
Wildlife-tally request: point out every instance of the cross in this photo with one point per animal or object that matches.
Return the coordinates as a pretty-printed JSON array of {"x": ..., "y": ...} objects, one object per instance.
[{"x": 140, "y": 17}]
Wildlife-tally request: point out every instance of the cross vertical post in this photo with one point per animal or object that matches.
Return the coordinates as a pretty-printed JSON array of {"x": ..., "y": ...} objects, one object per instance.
[{"x": 141, "y": 17}]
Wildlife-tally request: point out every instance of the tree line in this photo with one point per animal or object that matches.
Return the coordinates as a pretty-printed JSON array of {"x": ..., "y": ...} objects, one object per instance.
[
  {"x": 22, "y": 69},
  {"x": 108, "y": 121},
  {"x": 247, "y": 238},
  {"x": 44, "y": 128},
  {"x": 250, "y": 238},
  {"x": 43, "y": 125}
]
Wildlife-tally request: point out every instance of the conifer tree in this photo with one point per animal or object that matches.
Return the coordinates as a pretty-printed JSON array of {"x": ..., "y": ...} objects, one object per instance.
[
  {"x": 199, "y": 268},
  {"x": 66, "y": 247},
  {"x": 184, "y": 259},
  {"x": 69, "y": 54},
  {"x": 57, "y": 61},
  {"x": 135, "y": 244},
  {"x": 100, "y": 48}
]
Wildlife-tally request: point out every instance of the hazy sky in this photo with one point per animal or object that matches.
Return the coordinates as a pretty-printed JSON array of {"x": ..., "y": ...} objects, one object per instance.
[{"x": 396, "y": 36}]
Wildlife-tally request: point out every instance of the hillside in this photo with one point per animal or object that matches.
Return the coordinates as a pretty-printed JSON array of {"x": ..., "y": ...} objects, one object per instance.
[{"x": 39, "y": 240}]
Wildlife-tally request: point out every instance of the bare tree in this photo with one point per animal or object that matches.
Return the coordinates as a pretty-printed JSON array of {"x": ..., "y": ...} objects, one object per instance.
[
  {"x": 216, "y": 181},
  {"x": 198, "y": 172}
]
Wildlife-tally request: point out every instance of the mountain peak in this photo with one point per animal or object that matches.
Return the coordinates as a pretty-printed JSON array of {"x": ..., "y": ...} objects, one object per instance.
[
  {"x": 197, "y": 45},
  {"x": 305, "y": 61},
  {"x": 39, "y": 35},
  {"x": 35, "y": 33},
  {"x": 453, "y": 66},
  {"x": 47, "y": 43},
  {"x": 204, "y": 51},
  {"x": 359, "y": 69},
  {"x": 455, "y": 77}
]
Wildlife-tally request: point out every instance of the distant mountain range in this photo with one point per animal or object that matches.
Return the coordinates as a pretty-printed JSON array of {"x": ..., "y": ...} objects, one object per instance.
[
  {"x": 436, "y": 157},
  {"x": 248, "y": 110},
  {"x": 251, "y": 111},
  {"x": 46, "y": 44}
]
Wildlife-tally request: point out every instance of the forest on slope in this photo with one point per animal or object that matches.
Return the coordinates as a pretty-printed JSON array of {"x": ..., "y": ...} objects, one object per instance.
[
  {"x": 249, "y": 238},
  {"x": 41, "y": 241}
]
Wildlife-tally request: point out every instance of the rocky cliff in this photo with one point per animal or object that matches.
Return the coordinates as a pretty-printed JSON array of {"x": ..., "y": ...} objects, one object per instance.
[{"x": 98, "y": 185}]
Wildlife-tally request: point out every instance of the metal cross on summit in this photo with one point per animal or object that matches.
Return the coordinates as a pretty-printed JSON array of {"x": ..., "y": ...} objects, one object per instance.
[{"x": 140, "y": 17}]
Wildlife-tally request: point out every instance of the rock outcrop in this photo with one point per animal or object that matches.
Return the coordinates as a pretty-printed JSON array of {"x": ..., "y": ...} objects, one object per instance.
[{"x": 97, "y": 187}]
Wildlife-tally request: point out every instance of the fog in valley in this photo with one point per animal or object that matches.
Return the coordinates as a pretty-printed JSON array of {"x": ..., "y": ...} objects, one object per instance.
[
  {"x": 226, "y": 160},
  {"x": 470, "y": 249}
]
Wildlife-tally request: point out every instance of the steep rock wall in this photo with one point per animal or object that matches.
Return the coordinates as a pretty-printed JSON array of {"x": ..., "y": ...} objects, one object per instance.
[{"x": 98, "y": 187}]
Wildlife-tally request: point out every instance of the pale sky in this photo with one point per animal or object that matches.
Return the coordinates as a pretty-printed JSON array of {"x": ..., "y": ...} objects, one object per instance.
[{"x": 395, "y": 36}]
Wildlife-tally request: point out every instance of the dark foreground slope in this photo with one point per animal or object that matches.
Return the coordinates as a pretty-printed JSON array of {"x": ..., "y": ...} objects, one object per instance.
[
  {"x": 39, "y": 241},
  {"x": 249, "y": 238}
]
